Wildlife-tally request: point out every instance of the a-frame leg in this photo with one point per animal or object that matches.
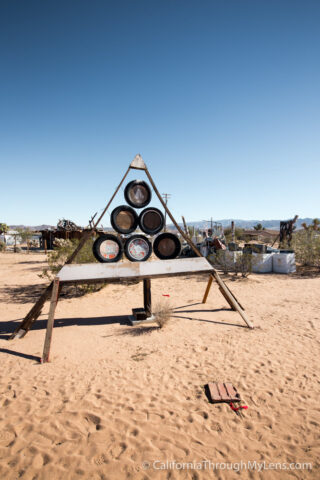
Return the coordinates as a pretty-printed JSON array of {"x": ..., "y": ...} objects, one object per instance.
[
  {"x": 53, "y": 304},
  {"x": 35, "y": 311},
  {"x": 206, "y": 293},
  {"x": 147, "y": 296},
  {"x": 224, "y": 289}
]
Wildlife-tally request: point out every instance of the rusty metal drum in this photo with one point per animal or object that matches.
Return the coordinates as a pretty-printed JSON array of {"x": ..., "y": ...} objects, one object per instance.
[
  {"x": 137, "y": 194},
  {"x": 167, "y": 246},
  {"x": 124, "y": 219},
  {"x": 151, "y": 220}
]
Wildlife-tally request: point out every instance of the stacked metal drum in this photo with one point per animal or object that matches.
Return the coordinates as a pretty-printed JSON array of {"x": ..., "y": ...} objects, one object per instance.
[{"x": 125, "y": 220}]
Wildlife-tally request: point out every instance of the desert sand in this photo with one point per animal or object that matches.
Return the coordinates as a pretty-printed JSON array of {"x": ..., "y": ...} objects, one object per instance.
[{"x": 114, "y": 396}]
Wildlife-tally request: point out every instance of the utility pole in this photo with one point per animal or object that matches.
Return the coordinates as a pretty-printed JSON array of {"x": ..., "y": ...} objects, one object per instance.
[
  {"x": 165, "y": 197},
  {"x": 211, "y": 223}
]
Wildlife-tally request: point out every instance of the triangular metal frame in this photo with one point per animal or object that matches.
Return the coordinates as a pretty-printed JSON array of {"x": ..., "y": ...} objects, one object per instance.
[{"x": 136, "y": 164}]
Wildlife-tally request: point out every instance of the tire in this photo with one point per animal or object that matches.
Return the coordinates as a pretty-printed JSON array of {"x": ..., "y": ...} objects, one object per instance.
[
  {"x": 151, "y": 220},
  {"x": 124, "y": 219},
  {"x": 113, "y": 252},
  {"x": 129, "y": 248},
  {"x": 137, "y": 194},
  {"x": 167, "y": 246}
]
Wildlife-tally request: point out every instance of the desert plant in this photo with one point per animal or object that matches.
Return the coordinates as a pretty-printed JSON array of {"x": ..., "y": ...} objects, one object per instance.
[
  {"x": 238, "y": 234},
  {"x": 306, "y": 244},
  {"x": 258, "y": 227},
  {"x": 3, "y": 228},
  {"x": 244, "y": 264},
  {"x": 26, "y": 235},
  {"x": 59, "y": 255},
  {"x": 315, "y": 225},
  {"x": 162, "y": 313},
  {"x": 2, "y": 247}
]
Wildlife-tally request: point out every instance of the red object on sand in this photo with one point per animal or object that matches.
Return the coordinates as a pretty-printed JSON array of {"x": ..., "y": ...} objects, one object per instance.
[{"x": 235, "y": 409}]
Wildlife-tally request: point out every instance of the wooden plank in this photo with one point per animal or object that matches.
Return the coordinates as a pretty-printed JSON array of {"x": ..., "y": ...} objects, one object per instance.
[
  {"x": 214, "y": 392},
  {"x": 207, "y": 289},
  {"x": 147, "y": 296},
  {"x": 53, "y": 304},
  {"x": 232, "y": 392},
  {"x": 223, "y": 392},
  {"x": 138, "y": 163},
  {"x": 134, "y": 270}
]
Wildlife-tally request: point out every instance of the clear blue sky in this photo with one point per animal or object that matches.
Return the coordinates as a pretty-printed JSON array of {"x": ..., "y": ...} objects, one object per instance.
[{"x": 221, "y": 98}]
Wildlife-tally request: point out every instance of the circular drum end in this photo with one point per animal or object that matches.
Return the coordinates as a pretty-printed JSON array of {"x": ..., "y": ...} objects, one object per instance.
[
  {"x": 137, "y": 194},
  {"x": 151, "y": 221},
  {"x": 124, "y": 219},
  {"x": 107, "y": 249},
  {"x": 167, "y": 246},
  {"x": 137, "y": 248}
]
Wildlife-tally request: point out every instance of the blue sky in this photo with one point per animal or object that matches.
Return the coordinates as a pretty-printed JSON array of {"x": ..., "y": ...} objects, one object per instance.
[{"x": 221, "y": 98}]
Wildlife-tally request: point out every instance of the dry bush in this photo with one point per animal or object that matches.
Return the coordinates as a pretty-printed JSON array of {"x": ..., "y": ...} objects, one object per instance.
[
  {"x": 162, "y": 313},
  {"x": 59, "y": 255},
  {"x": 306, "y": 244}
]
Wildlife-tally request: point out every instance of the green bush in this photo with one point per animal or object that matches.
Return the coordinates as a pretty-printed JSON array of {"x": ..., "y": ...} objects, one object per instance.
[
  {"x": 306, "y": 244},
  {"x": 238, "y": 234},
  {"x": 59, "y": 255},
  {"x": 242, "y": 265},
  {"x": 2, "y": 247}
]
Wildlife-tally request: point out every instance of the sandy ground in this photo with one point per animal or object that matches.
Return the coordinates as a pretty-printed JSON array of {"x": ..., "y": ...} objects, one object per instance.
[{"x": 114, "y": 396}]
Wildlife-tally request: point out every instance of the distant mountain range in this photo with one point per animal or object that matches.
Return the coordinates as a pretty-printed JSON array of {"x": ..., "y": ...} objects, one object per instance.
[
  {"x": 36, "y": 228},
  {"x": 247, "y": 224}
]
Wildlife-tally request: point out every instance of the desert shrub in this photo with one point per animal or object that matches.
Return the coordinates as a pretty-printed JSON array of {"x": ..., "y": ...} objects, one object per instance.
[
  {"x": 59, "y": 255},
  {"x": 162, "y": 313},
  {"x": 238, "y": 234},
  {"x": 2, "y": 247},
  {"x": 306, "y": 244},
  {"x": 243, "y": 263}
]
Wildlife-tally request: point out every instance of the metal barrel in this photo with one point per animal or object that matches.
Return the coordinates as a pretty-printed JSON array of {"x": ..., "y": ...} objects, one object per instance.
[
  {"x": 151, "y": 220},
  {"x": 124, "y": 219},
  {"x": 137, "y": 194},
  {"x": 107, "y": 249},
  {"x": 167, "y": 246},
  {"x": 137, "y": 248}
]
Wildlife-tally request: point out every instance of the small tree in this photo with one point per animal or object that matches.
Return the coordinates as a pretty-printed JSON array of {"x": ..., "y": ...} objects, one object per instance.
[
  {"x": 3, "y": 228},
  {"x": 258, "y": 227},
  {"x": 315, "y": 225},
  {"x": 26, "y": 236}
]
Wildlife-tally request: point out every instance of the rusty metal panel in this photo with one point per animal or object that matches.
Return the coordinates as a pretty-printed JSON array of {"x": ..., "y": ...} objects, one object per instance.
[{"x": 139, "y": 270}]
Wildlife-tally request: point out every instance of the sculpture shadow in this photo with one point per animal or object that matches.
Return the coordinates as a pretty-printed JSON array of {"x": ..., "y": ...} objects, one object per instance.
[{"x": 7, "y": 328}]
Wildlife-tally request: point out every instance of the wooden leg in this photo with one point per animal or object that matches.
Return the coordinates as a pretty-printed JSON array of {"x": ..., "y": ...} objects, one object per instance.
[
  {"x": 53, "y": 304},
  {"x": 207, "y": 289},
  {"x": 231, "y": 299},
  {"x": 147, "y": 296}
]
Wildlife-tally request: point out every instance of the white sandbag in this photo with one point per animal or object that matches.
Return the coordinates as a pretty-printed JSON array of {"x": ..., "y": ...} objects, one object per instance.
[
  {"x": 262, "y": 262},
  {"x": 284, "y": 263}
]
